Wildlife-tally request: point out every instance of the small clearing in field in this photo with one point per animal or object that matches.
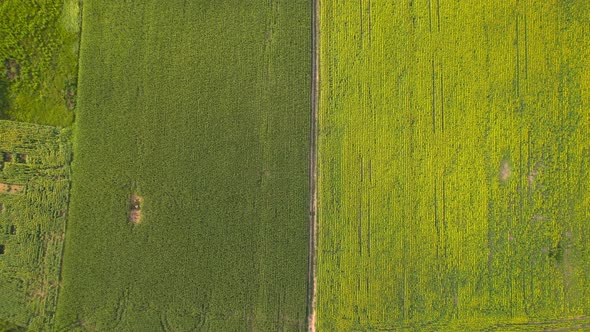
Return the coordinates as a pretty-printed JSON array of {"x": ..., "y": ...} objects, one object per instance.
[
  {"x": 531, "y": 177},
  {"x": 21, "y": 158},
  {"x": 505, "y": 171},
  {"x": 7, "y": 157},
  {"x": 12, "y": 69},
  {"x": 135, "y": 209},
  {"x": 533, "y": 174},
  {"x": 39, "y": 292},
  {"x": 16, "y": 189},
  {"x": 70, "y": 99}
]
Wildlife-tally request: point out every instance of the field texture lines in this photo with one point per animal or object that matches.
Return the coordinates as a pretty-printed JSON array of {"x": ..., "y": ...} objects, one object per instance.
[
  {"x": 34, "y": 193},
  {"x": 189, "y": 207},
  {"x": 454, "y": 146}
]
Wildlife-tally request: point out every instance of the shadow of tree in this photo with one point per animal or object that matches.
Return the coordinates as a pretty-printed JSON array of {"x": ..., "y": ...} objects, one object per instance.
[{"x": 3, "y": 97}]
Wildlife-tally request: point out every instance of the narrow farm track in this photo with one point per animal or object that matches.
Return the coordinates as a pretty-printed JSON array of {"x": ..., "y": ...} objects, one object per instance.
[{"x": 313, "y": 167}]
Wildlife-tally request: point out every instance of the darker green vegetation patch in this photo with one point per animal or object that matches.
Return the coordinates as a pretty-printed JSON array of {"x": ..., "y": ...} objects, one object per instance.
[
  {"x": 189, "y": 207},
  {"x": 10, "y": 327},
  {"x": 38, "y": 60}
]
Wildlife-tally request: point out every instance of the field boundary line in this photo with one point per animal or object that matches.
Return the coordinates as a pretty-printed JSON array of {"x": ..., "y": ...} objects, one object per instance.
[{"x": 313, "y": 152}]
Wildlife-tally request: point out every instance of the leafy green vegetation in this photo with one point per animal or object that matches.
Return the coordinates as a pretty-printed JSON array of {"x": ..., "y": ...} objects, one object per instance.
[
  {"x": 34, "y": 191},
  {"x": 9, "y": 327},
  {"x": 38, "y": 60},
  {"x": 193, "y": 121},
  {"x": 453, "y": 166}
]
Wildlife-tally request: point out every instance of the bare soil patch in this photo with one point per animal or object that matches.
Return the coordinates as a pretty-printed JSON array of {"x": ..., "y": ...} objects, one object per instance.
[
  {"x": 6, "y": 188},
  {"x": 21, "y": 158},
  {"x": 539, "y": 217},
  {"x": 7, "y": 157},
  {"x": 70, "y": 95},
  {"x": 70, "y": 99},
  {"x": 135, "y": 204},
  {"x": 16, "y": 189},
  {"x": 39, "y": 292},
  {"x": 531, "y": 177},
  {"x": 505, "y": 171}
]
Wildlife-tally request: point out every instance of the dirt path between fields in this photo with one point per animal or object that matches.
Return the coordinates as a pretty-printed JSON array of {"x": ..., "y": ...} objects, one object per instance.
[{"x": 313, "y": 195}]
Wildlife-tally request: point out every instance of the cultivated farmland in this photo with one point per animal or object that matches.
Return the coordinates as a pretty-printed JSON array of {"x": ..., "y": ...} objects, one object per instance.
[
  {"x": 34, "y": 189},
  {"x": 454, "y": 146},
  {"x": 189, "y": 206}
]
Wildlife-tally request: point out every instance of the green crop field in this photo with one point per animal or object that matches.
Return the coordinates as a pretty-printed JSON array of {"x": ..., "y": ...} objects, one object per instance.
[
  {"x": 34, "y": 189},
  {"x": 38, "y": 60},
  {"x": 158, "y": 160},
  {"x": 193, "y": 123},
  {"x": 454, "y": 155}
]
